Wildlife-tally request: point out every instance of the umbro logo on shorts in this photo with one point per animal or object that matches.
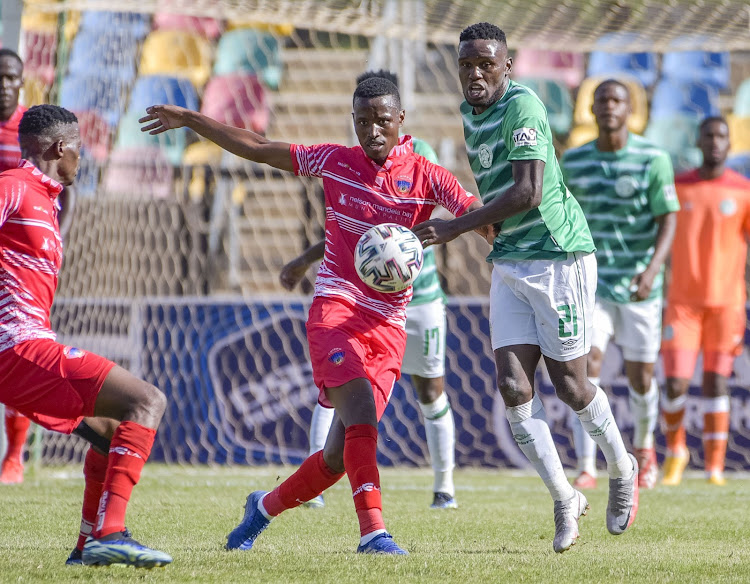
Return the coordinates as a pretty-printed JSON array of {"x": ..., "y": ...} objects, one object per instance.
[{"x": 570, "y": 343}]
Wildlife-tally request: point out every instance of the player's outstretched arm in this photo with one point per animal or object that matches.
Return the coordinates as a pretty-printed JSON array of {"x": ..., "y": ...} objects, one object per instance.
[
  {"x": 241, "y": 142},
  {"x": 293, "y": 272}
]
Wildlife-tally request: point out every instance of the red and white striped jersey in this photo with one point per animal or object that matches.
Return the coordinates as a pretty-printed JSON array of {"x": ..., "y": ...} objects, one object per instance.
[
  {"x": 30, "y": 253},
  {"x": 359, "y": 193},
  {"x": 10, "y": 151}
]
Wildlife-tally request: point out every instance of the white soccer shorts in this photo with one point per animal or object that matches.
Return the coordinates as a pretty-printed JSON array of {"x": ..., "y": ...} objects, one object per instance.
[
  {"x": 547, "y": 303},
  {"x": 425, "y": 340},
  {"x": 634, "y": 326}
]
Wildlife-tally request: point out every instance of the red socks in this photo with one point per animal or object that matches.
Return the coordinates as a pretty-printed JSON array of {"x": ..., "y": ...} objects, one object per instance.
[
  {"x": 309, "y": 481},
  {"x": 94, "y": 472},
  {"x": 16, "y": 429},
  {"x": 360, "y": 453},
  {"x": 129, "y": 449}
]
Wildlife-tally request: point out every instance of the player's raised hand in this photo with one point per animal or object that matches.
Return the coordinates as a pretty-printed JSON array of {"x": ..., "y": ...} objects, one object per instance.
[
  {"x": 164, "y": 117},
  {"x": 435, "y": 231},
  {"x": 293, "y": 272}
]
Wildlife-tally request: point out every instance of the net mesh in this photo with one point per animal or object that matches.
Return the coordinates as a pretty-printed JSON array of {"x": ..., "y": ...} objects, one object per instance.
[{"x": 173, "y": 258}]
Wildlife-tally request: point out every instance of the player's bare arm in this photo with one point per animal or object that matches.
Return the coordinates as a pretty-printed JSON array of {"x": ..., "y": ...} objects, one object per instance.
[
  {"x": 641, "y": 285},
  {"x": 293, "y": 272},
  {"x": 524, "y": 194},
  {"x": 243, "y": 143}
]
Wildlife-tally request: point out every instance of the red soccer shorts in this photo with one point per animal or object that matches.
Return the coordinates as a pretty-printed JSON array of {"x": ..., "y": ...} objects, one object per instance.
[
  {"x": 347, "y": 343},
  {"x": 54, "y": 385},
  {"x": 717, "y": 331}
]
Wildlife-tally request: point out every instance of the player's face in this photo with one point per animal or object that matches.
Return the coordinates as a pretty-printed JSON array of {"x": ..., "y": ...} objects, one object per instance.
[
  {"x": 67, "y": 167},
  {"x": 377, "y": 122},
  {"x": 714, "y": 143},
  {"x": 484, "y": 71},
  {"x": 611, "y": 107},
  {"x": 11, "y": 80}
]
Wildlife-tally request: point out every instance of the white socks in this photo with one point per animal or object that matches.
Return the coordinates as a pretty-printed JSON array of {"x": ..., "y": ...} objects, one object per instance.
[
  {"x": 532, "y": 434},
  {"x": 441, "y": 442},
  {"x": 645, "y": 410},
  {"x": 584, "y": 445},
  {"x": 320, "y": 424},
  {"x": 598, "y": 421}
]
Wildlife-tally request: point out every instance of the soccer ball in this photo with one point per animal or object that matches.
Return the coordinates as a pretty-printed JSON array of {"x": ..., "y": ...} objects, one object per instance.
[{"x": 388, "y": 257}]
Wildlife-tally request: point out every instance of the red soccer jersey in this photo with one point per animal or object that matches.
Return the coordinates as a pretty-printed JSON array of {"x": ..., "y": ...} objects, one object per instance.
[
  {"x": 30, "y": 254},
  {"x": 10, "y": 151},
  {"x": 359, "y": 194}
]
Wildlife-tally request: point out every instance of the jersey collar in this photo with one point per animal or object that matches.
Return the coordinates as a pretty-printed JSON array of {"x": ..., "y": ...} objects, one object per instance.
[
  {"x": 404, "y": 147},
  {"x": 53, "y": 187}
]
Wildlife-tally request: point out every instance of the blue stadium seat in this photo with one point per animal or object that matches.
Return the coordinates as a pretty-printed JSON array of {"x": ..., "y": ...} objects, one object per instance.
[
  {"x": 642, "y": 66},
  {"x": 138, "y": 25},
  {"x": 740, "y": 163},
  {"x": 100, "y": 93},
  {"x": 112, "y": 52},
  {"x": 708, "y": 68},
  {"x": 556, "y": 97},
  {"x": 162, "y": 89},
  {"x": 246, "y": 49},
  {"x": 684, "y": 98}
]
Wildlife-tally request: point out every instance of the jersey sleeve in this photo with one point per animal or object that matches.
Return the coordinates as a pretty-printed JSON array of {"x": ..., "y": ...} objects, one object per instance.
[
  {"x": 525, "y": 129},
  {"x": 662, "y": 194},
  {"x": 311, "y": 160},
  {"x": 425, "y": 150},
  {"x": 448, "y": 191},
  {"x": 11, "y": 194}
]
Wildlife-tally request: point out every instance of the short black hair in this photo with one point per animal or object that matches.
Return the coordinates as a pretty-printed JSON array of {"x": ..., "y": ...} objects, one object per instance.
[
  {"x": 43, "y": 120},
  {"x": 381, "y": 73},
  {"x": 12, "y": 54},
  {"x": 615, "y": 82},
  {"x": 483, "y": 31},
  {"x": 711, "y": 119},
  {"x": 377, "y": 87}
]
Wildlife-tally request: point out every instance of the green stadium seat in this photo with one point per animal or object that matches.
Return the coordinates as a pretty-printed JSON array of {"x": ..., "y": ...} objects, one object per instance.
[
  {"x": 172, "y": 143},
  {"x": 555, "y": 96},
  {"x": 245, "y": 49},
  {"x": 742, "y": 100}
]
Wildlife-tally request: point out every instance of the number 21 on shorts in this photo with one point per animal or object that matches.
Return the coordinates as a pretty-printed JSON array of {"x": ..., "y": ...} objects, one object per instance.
[{"x": 568, "y": 323}]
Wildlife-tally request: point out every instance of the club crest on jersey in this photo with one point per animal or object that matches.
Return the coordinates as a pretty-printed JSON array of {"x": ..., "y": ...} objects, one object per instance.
[
  {"x": 485, "y": 155},
  {"x": 336, "y": 356},
  {"x": 403, "y": 184},
  {"x": 625, "y": 186},
  {"x": 524, "y": 137},
  {"x": 73, "y": 353},
  {"x": 728, "y": 207}
]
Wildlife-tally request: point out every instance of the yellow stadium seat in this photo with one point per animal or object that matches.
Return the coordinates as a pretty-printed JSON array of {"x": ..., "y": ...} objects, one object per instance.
[
  {"x": 72, "y": 23},
  {"x": 638, "y": 119},
  {"x": 579, "y": 135},
  {"x": 739, "y": 133},
  {"x": 177, "y": 53},
  {"x": 200, "y": 155},
  {"x": 39, "y": 21},
  {"x": 35, "y": 91},
  {"x": 275, "y": 29}
]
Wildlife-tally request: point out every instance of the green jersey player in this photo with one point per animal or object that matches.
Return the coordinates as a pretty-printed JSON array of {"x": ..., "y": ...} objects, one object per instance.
[
  {"x": 625, "y": 186},
  {"x": 543, "y": 279},
  {"x": 424, "y": 359}
]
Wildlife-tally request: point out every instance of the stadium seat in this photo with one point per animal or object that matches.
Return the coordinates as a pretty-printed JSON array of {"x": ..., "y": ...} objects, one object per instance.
[
  {"x": 162, "y": 89},
  {"x": 35, "y": 91},
  {"x": 106, "y": 22},
  {"x": 87, "y": 179},
  {"x": 739, "y": 133},
  {"x": 274, "y": 29},
  {"x": 685, "y": 98},
  {"x": 245, "y": 49},
  {"x": 677, "y": 135},
  {"x": 139, "y": 172},
  {"x": 742, "y": 100},
  {"x": 740, "y": 163},
  {"x": 583, "y": 116},
  {"x": 177, "y": 53},
  {"x": 112, "y": 52},
  {"x": 579, "y": 135},
  {"x": 99, "y": 93},
  {"x": 209, "y": 28},
  {"x": 238, "y": 100},
  {"x": 172, "y": 144},
  {"x": 642, "y": 66},
  {"x": 708, "y": 68},
  {"x": 556, "y": 97},
  {"x": 39, "y": 50},
  {"x": 45, "y": 22},
  {"x": 95, "y": 134},
  {"x": 200, "y": 158},
  {"x": 565, "y": 67}
]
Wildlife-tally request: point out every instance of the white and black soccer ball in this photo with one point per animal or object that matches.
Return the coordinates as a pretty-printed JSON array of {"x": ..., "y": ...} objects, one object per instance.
[{"x": 388, "y": 257}]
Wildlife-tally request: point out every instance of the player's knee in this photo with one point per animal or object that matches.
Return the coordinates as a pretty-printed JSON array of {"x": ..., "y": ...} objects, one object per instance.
[
  {"x": 149, "y": 406},
  {"x": 513, "y": 391},
  {"x": 676, "y": 387}
]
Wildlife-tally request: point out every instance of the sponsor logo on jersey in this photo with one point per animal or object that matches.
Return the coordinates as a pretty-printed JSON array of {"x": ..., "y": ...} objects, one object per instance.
[
  {"x": 524, "y": 137},
  {"x": 73, "y": 353},
  {"x": 342, "y": 199},
  {"x": 485, "y": 155},
  {"x": 728, "y": 207},
  {"x": 403, "y": 184},
  {"x": 625, "y": 186},
  {"x": 336, "y": 356}
]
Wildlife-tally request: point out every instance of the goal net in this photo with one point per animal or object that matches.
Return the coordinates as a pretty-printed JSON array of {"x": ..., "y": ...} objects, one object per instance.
[{"x": 173, "y": 259}]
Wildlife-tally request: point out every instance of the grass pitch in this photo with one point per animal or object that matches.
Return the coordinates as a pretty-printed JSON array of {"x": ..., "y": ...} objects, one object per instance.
[{"x": 502, "y": 532}]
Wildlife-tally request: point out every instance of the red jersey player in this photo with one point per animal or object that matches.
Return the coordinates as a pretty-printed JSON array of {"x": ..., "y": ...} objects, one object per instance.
[
  {"x": 706, "y": 299},
  {"x": 54, "y": 384},
  {"x": 356, "y": 335}
]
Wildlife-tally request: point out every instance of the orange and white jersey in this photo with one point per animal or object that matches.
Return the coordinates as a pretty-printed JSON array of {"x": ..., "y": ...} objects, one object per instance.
[
  {"x": 31, "y": 253},
  {"x": 710, "y": 247}
]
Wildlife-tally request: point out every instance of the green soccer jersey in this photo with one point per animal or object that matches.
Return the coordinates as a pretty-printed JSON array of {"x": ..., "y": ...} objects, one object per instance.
[
  {"x": 426, "y": 287},
  {"x": 621, "y": 194},
  {"x": 516, "y": 128}
]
